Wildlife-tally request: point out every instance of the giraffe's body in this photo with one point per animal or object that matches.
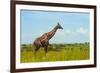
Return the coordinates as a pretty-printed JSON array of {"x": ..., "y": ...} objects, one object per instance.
[{"x": 43, "y": 41}]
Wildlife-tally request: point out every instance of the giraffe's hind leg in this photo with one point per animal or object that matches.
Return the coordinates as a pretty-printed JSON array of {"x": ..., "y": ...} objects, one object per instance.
[{"x": 36, "y": 49}]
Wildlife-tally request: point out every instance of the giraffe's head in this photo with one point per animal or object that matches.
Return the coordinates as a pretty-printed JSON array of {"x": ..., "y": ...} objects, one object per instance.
[{"x": 59, "y": 26}]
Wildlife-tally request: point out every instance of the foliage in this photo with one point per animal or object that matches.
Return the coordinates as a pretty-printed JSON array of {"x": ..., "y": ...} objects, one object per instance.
[{"x": 56, "y": 52}]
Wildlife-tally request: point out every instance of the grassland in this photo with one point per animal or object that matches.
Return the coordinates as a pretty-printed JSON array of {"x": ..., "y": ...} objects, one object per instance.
[{"x": 56, "y": 52}]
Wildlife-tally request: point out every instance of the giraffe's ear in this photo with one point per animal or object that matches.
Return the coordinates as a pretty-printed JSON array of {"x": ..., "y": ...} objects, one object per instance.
[{"x": 58, "y": 23}]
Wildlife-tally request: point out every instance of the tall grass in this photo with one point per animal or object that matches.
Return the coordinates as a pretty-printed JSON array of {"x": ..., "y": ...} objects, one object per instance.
[{"x": 56, "y": 52}]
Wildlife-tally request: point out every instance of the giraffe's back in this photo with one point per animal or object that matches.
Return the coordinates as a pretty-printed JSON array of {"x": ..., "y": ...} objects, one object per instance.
[{"x": 40, "y": 41}]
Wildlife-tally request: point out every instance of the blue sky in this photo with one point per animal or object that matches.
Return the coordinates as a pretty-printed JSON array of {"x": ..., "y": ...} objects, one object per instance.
[{"x": 35, "y": 23}]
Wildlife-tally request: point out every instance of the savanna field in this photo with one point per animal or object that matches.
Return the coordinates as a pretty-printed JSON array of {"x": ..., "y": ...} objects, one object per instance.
[{"x": 56, "y": 52}]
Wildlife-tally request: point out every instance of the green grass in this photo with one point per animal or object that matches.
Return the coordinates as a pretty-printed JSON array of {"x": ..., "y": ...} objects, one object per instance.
[{"x": 56, "y": 52}]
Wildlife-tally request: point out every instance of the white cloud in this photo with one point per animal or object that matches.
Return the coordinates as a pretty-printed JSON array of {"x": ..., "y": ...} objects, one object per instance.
[
  {"x": 68, "y": 31},
  {"x": 81, "y": 30}
]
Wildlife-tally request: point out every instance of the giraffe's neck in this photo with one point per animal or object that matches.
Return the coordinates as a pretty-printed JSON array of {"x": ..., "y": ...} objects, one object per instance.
[{"x": 52, "y": 33}]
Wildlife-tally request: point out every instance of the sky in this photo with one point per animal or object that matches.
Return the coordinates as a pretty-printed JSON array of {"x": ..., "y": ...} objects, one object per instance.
[{"x": 35, "y": 23}]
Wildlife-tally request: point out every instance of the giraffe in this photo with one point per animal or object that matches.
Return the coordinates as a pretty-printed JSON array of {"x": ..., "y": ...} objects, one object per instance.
[{"x": 43, "y": 41}]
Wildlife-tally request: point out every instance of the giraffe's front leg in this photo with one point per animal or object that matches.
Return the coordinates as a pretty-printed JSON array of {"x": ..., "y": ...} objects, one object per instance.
[
  {"x": 46, "y": 50},
  {"x": 46, "y": 47}
]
